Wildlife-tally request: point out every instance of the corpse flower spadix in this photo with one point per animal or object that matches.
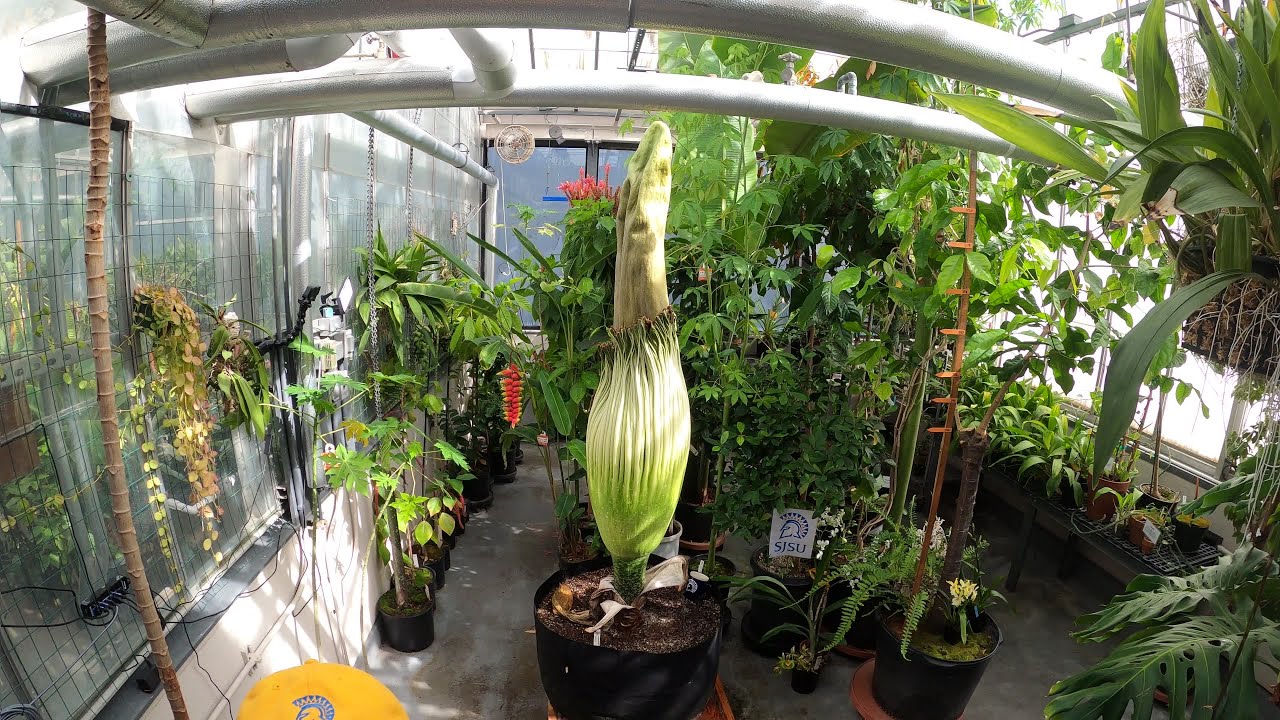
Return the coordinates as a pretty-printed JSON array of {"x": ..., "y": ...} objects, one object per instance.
[{"x": 638, "y": 430}]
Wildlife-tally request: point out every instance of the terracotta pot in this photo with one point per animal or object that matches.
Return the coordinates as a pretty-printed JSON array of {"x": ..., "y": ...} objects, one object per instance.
[{"x": 1102, "y": 506}]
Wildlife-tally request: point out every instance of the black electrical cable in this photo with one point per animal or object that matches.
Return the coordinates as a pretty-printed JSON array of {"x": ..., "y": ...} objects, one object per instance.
[
  {"x": 196, "y": 654},
  {"x": 243, "y": 594}
]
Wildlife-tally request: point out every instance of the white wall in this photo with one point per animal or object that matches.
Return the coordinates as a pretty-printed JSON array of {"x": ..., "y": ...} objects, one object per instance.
[{"x": 259, "y": 635}]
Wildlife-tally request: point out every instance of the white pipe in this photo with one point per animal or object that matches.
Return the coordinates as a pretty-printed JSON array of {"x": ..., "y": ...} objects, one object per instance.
[
  {"x": 300, "y": 159},
  {"x": 275, "y": 56},
  {"x": 889, "y": 31},
  {"x": 493, "y": 59},
  {"x": 395, "y": 84},
  {"x": 405, "y": 131},
  {"x": 184, "y": 22}
]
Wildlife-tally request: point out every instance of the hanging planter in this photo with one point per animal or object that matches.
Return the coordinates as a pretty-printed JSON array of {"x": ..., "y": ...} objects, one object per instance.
[{"x": 1237, "y": 328}]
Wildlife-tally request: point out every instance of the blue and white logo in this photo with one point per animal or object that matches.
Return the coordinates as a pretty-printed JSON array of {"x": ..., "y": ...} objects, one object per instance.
[
  {"x": 314, "y": 707},
  {"x": 792, "y": 533}
]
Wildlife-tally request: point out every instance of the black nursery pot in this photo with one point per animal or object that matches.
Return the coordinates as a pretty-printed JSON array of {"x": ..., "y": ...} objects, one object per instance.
[
  {"x": 438, "y": 568},
  {"x": 1188, "y": 537},
  {"x": 585, "y": 682},
  {"x": 920, "y": 687},
  {"x": 478, "y": 491},
  {"x": 696, "y": 523},
  {"x": 804, "y": 681},
  {"x": 765, "y": 615},
  {"x": 408, "y": 634},
  {"x": 501, "y": 469},
  {"x": 516, "y": 456}
]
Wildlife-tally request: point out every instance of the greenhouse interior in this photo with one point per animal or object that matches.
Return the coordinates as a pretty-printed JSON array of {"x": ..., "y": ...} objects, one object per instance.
[{"x": 639, "y": 359}]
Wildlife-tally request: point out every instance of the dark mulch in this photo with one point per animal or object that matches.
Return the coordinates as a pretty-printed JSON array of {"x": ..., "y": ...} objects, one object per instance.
[{"x": 671, "y": 623}]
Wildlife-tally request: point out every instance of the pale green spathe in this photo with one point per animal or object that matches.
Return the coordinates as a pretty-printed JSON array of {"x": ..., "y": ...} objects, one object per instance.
[{"x": 638, "y": 430}]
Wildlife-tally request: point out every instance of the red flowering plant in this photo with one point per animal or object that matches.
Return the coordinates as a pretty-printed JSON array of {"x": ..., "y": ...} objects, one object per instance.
[{"x": 589, "y": 188}]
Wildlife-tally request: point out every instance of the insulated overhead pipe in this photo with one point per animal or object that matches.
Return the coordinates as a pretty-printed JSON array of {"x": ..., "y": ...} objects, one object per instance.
[
  {"x": 185, "y": 22},
  {"x": 493, "y": 59},
  {"x": 406, "y": 83},
  {"x": 405, "y": 131},
  {"x": 262, "y": 58},
  {"x": 899, "y": 33}
]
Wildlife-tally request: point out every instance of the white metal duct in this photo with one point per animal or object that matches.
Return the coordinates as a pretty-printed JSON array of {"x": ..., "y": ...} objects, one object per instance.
[
  {"x": 262, "y": 58},
  {"x": 184, "y": 22},
  {"x": 406, "y": 83},
  {"x": 889, "y": 31},
  {"x": 403, "y": 129}
]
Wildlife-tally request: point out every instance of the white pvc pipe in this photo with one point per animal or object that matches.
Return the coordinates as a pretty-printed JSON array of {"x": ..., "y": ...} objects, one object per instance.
[
  {"x": 405, "y": 131},
  {"x": 493, "y": 59},
  {"x": 899, "y": 33},
  {"x": 404, "y": 83}
]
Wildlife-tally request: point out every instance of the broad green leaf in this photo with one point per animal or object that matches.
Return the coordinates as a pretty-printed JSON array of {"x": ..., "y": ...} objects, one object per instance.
[
  {"x": 1222, "y": 143},
  {"x": 950, "y": 272},
  {"x": 845, "y": 279},
  {"x": 825, "y": 253},
  {"x": 1234, "y": 249},
  {"x": 980, "y": 266},
  {"x": 555, "y": 404},
  {"x": 453, "y": 259},
  {"x": 1134, "y": 353},
  {"x": 1200, "y": 189},
  {"x": 1029, "y": 133},
  {"x": 1159, "y": 100}
]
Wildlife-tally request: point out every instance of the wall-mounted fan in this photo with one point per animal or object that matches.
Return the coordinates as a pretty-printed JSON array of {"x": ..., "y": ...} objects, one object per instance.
[{"x": 514, "y": 144}]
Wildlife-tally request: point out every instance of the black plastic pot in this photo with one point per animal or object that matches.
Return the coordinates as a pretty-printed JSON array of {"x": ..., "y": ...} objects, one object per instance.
[
  {"x": 573, "y": 567},
  {"x": 409, "y": 634},
  {"x": 862, "y": 633},
  {"x": 478, "y": 491},
  {"x": 501, "y": 469},
  {"x": 517, "y": 455},
  {"x": 696, "y": 523},
  {"x": 920, "y": 687},
  {"x": 438, "y": 568},
  {"x": 585, "y": 682},
  {"x": 1146, "y": 501},
  {"x": 764, "y": 616},
  {"x": 804, "y": 681},
  {"x": 721, "y": 588},
  {"x": 1188, "y": 537}
]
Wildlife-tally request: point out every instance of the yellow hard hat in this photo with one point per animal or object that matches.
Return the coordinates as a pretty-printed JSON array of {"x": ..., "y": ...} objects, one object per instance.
[{"x": 320, "y": 691}]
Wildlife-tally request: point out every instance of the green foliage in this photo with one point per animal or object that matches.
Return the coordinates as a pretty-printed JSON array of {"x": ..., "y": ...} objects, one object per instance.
[
  {"x": 1193, "y": 635},
  {"x": 796, "y": 441},
  {"x": 237, "y": 374}
]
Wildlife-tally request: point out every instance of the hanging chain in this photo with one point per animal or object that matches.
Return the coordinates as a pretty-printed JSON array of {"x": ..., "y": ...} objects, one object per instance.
[
  {"x": 408, "y": 193},
  {"x": 371, "y": 209}
]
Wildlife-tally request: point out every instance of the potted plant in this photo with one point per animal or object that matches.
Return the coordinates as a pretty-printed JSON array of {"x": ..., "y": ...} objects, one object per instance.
[
  {"x": 670, "y": 545},
  {"x": 577, "y": 548},
  {"x": 637, "y": 443},
  {"x": 817, "y": 611},
  {"x": 924, "y": 671},
  {"x": 1138, "y": 521},
  {"x": 1112, "y": 483},
  {"x": 1189, "y": 531},
  {"x": 1126, "y": 505},
  {"x": 390, "y": 449}
]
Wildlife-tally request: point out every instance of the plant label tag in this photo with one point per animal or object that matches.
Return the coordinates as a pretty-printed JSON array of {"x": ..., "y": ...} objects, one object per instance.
[
  {"x": 595, "y": 638},
  {"x": 543, "y": 440},
  {"x": 704, "y": 273},
  {"x": 792, "y": 533},
  {"x": 1150, "y": 531}
]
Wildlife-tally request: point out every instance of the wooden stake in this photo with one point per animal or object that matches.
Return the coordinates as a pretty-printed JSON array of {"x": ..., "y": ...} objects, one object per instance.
[{"x": 957, "y": 366}]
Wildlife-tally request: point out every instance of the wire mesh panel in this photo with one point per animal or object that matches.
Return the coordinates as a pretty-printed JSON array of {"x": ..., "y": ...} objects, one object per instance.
[{"x": 57, "y": 545}]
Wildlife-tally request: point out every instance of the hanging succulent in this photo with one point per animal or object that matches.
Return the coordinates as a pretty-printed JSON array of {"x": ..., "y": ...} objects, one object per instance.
[
  {"x": 512, "y": 400},
  {"x": 638, "y": 430},
  {"x": 179, "y": 382}
]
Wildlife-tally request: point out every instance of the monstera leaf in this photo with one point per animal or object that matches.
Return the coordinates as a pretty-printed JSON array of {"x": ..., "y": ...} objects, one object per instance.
[{"x": 1192, "y": 630}]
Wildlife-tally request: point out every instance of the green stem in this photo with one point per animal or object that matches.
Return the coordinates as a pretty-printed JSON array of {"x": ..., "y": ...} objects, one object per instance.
[
  {"x": 628, "y": 577},
  {"x": 909, "y": 425}
]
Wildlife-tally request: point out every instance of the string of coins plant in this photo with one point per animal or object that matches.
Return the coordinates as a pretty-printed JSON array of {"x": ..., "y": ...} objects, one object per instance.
[{"x": 178, "y": 383}]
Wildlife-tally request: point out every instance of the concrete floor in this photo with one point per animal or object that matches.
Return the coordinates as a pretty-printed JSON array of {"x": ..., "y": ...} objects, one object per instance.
[{"x": 483, "y": 665}]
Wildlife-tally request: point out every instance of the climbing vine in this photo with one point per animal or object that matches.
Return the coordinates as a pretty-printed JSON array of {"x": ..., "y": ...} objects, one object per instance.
[{"x": 177, "y": 382}]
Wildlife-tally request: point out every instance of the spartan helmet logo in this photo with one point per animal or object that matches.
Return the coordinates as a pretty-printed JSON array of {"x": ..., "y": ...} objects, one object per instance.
[{"x": 314, "y": 707}]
